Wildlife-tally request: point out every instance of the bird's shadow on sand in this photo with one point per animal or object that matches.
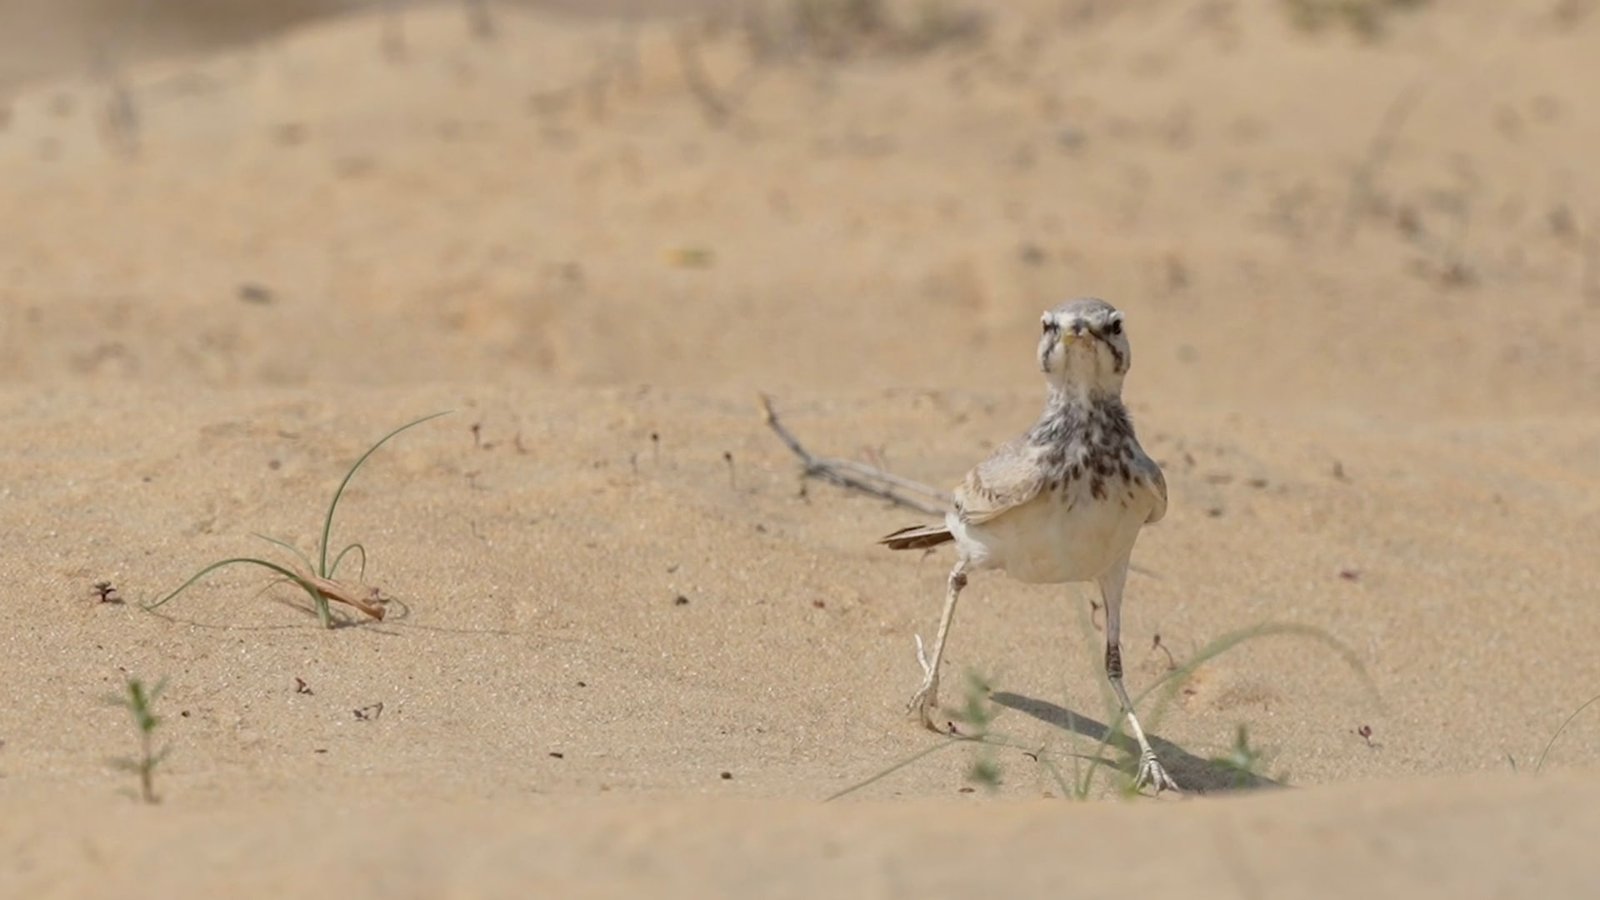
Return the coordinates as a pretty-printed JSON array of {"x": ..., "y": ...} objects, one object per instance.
[{"x": 1192, "y": 773}]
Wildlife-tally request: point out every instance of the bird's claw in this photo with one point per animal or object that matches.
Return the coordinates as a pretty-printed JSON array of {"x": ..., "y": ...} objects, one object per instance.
[
  {"x": 925, "y": 702},
  {"x": 1151, "y": 773}
]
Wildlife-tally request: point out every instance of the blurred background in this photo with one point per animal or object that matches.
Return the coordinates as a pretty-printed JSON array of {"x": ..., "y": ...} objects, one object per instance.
[{"x": 1387, "y": 206}]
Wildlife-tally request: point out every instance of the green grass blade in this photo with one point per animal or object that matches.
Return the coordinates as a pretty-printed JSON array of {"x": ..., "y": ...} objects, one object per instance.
[
  {"x": 984, "y": 740},
  {"x": 1056, "y": 774},
  {"x": 1094, "y": 645},
  {"x": 361, "y": 575},
  {"x": 1038, "y": 756},
  {"x": 1095, "y": 762},
  {"x": 207, "y": 571},
  {"x": 1539, "y": 766},
  {"x": 927, "y": 751},
  {"x": 1077, "y": 760},
  {"x": 268, "y": 586},
  {"x": 1171, "y": 682},
  {"x": 288, "y": 573},
  {"x": 327, "y": 524},
  {"x": 287, "y": 546}
]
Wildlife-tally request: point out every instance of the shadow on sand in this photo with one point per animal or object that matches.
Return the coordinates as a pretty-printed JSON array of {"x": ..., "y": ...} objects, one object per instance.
[{"x": 1192, "y": 773}]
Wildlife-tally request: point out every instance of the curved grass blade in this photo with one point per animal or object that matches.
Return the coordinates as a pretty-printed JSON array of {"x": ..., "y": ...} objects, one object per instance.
[
  {"x": 327, "y": 524},
  {"x": 1538, "y": 766},
  {"x": 988, "y": 740},
  {"x": 269, "y": 586},
  {"x": 1039, "y": 756},
  {"x": 1055, "y": 773},
  {"x": 362, "y": 574},
  {"x": 324, "y": 622},
  {"x": 319, "y": 601},
  {"x": 287, "y": 546},
  {"x": 1098, "y": 758},
  {"x": 926, "y": 751},
  {"x": 1169, "y": 683}
]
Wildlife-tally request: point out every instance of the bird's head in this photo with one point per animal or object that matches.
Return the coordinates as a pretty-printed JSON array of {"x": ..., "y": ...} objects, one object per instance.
[{"x": 1084, "y": 348}]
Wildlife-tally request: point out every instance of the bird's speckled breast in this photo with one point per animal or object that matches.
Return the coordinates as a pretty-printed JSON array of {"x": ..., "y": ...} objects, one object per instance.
[{"x": 1089, "y": 511}]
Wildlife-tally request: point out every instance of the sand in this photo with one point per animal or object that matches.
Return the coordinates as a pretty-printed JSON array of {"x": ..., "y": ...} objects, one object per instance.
[{"x": 628, "y": 651}]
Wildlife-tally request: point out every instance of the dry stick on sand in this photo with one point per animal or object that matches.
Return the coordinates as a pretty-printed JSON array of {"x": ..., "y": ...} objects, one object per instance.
[
  {"x": 720, "y": 106},
  {"x": 717, "y": 112},
  {"x": 394, "y": 31},
  {"x": 1363, "y": 181},
  {"x": 856, "y": 476},
  {"x": 343, "y": 593},
  {"x": 480, "y": 19},
  {"x": 120, "y": 118}
]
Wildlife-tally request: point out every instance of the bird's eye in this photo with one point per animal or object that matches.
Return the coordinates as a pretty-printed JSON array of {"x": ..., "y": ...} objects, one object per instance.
[
  {"x": 1115, "y": 327},
  {"x": 1050, "y": 326}
]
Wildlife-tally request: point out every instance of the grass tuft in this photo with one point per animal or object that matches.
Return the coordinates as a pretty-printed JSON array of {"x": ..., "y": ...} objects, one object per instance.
[
  {"x": 1241, "y": 759},
  {"x": 319, "y": 582},
  {"x": 977, "y": 712},
  {"x": 140, "y": 700},
  {"x": 1241, "y": 763}
]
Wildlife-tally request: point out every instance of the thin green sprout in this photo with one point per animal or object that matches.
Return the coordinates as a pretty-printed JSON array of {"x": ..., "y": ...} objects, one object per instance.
[
  {"x": 287, "y": 546},
  {"x": 327, "y": 523},
  {"x": 1539, "y": 766},
  {"x": 361, "y": 573}
]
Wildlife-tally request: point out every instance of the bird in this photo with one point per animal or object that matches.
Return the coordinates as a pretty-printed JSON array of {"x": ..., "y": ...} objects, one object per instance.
[{"x": 1064, "y": 502}]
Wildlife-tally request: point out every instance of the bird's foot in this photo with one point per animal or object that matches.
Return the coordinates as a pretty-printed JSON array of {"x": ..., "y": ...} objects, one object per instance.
[
  {"x": 925, "y": 702},
  {"x": 1151, "y": 773},
  {"x": 925, "y": 705}
]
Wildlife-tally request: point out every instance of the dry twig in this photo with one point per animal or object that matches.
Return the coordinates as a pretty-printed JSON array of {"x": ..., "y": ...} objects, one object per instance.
[
  {"x": 367, "y": 599},
  {"x": 1363, "y": 181},
  {"x": 858, "y": 476},
  {"x": 717, "y": 111}
]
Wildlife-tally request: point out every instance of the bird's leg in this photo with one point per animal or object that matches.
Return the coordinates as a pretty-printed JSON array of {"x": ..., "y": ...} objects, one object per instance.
[
  {"x": 926, "y": 700},
  {"x": 1150, "y": 770}
]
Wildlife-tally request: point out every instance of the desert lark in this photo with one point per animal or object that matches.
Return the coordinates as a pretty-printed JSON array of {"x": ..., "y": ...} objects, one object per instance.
[{"x": 1064, "y": 502}]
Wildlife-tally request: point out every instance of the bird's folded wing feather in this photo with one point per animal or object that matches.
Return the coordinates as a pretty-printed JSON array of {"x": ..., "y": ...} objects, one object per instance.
[
  {"x": 1149, "y": 474},
  {"x": 1010, "y": 477}
]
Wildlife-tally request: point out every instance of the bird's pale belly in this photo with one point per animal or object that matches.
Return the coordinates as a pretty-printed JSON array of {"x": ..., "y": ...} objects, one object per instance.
[{"x": 1047, "y": 540}]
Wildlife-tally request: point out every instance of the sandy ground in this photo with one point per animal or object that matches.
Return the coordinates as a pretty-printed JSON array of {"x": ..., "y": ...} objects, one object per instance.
[{"x": 625, "y": 652}]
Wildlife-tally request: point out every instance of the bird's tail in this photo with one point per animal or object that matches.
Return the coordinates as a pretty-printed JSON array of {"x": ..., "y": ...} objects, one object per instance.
[{"x": 917, "y": 537}]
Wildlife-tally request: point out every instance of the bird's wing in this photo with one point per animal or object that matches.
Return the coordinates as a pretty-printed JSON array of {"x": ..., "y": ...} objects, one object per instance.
[
  {"x": 1149, "y": 476},
  {"x": 1010, "y": 477}
]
